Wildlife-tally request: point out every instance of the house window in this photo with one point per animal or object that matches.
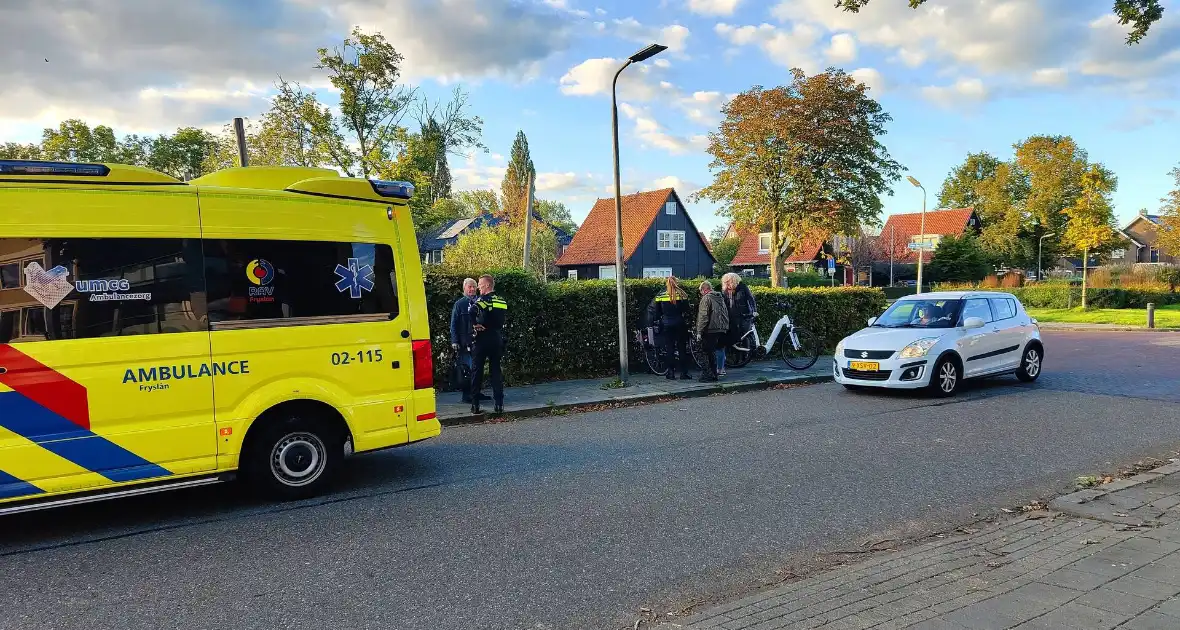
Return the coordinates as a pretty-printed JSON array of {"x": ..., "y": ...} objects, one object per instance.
[
  {"x": 572, "y": 274},
  {"x": 1154, "y": 255},
  {"x": 657, "y": 272},
  {"x": 607, "y": 272},
  {"x": 747, "y": 272},
  {"x": 10, "y": 276},
  {"x": 764, "y": 243},
  {"x": 672, "y": 240},
  {"x": 670, "y": 207}
]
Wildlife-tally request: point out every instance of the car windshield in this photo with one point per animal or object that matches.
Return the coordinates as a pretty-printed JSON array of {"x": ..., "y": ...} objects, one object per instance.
[{"x": 920, "y": 314}]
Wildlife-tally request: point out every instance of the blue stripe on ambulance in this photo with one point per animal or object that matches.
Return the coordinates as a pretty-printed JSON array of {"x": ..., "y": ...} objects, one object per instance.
[
  {"x": 11, "y": 487},
  {"x": 65, "y": 439}
]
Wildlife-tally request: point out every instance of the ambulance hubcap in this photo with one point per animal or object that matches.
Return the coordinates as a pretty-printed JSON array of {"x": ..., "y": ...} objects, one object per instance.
[{"x": 298, "y": 459}]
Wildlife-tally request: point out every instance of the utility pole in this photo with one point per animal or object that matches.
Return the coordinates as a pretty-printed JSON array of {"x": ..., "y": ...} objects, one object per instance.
[
  {"x": 892, "y": 245},
  {"x": 240, "y": 134},
  {"x": 922, "y": 234}
]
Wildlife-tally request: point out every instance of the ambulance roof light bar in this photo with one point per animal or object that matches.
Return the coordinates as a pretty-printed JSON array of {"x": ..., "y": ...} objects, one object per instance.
[
  {"x": 395, "y": 189},
  {"x": 38, "y": 167}
]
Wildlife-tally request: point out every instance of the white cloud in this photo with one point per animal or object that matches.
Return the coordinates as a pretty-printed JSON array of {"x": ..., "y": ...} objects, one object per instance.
[
  {"x": 964, "y": 91},
  {"x": 1139, "y": 117},
  {"x": 1050, "y": 76},
  {"x": 593, "y": 77},
  {"x": 683, "y": 188},
  {"x": 674, "y": 36},
  {"x": 842, "y": 48},
  {"x": 872, "y": 78},
  {"x": 713, "y": 7},
  {"x": 566, "y": 183},
  {"x": 483, "y": 39},
  {"x": 1023, "y": 42},
  {"x": 652, "y": 134},
  {"x": 789, "y": 47},
  {"x": 599, "y": 11},
  {"x": 149, "y": 66},
  {"x": 704, "y": 108}
]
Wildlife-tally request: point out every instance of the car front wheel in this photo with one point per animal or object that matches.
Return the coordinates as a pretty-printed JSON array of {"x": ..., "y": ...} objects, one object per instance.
[
  {"x": 1031, "y": 363},
  {"x": 946, "y": 377}
]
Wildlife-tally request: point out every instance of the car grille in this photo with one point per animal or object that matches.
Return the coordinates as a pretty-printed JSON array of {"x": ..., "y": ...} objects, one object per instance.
[
  {"x": 867, "y": 375},
  {"x": 871, "y": 354}
]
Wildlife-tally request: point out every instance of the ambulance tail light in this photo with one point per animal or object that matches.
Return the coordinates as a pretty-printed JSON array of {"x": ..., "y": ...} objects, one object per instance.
[{"x": 423, "y": 365}]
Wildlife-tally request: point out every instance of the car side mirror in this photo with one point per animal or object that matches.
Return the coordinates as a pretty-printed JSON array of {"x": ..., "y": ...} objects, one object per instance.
[
  {"x": 973, "y": 322},
  {"x": 872, "y": 320}
]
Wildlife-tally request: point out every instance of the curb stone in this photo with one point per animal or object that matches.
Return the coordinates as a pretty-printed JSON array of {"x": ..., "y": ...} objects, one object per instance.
[
  {"x": 637, "y": 399},
  {"x": 1067, "y": 327},
  {"x": 1081, "y": 503}
]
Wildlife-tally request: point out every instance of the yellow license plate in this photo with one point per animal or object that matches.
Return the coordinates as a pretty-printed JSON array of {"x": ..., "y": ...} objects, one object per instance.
[{"x": 867, "y": 366}]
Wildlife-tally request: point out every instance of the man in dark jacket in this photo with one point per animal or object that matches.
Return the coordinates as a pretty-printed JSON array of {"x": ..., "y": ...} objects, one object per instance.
[
  {"x": 462, "y": 337},
  {"x": 669, "y": 312},
  {"x": 712, "y": 326},
  {"x": 742, "y": 310},
  {"x": 490, "y": 313}
]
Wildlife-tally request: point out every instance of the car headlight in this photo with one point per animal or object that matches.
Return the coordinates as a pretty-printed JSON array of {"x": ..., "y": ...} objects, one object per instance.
[
  {"x": 840, "y": 348},
  {"x": 918, "y": 349}
]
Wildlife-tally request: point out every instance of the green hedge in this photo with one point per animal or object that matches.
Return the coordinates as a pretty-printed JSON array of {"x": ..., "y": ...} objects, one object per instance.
[
  {"x": 564, "y": 330},
  {"x": 1058, "y": 296}
]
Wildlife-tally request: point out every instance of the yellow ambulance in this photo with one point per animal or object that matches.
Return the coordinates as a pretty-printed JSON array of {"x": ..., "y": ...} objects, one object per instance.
[{"x": 260, "y": 322}]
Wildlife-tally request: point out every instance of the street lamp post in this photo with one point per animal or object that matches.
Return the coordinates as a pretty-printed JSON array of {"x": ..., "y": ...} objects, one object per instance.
[
  {"x": 1040, "y": 246},
  {"x": 921, "y": 231},
  {"x": 620, "y": 287}
]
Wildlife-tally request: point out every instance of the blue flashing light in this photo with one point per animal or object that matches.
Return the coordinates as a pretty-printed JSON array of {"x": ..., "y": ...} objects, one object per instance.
[
  {"x": 398, "y": 190},
  {"x": 37, "y": 167}
]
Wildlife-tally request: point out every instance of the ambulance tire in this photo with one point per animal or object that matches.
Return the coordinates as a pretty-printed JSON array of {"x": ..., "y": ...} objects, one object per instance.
[{"x": 295, "y": 456}]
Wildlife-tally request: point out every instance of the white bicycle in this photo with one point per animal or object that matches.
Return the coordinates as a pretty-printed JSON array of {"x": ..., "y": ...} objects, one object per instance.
[{"x": 800, "y": 346}]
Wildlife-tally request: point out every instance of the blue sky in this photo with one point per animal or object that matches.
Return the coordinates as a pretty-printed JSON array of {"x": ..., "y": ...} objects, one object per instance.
[{"x": 957, "y": 76}]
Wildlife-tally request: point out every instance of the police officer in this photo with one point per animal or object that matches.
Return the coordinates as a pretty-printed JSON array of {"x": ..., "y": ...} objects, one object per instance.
[{"x": 489, "y": 312}]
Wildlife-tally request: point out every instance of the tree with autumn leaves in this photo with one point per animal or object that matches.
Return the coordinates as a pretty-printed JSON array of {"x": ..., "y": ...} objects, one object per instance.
[
  {"x": 803, "y": 160},
  {"x": 1169, "y": 230},
  {"x": 1090, "y": 226}
]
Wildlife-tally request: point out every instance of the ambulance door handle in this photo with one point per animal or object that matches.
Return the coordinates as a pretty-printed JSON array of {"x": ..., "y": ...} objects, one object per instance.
[
  {"x": 3, "y": 371},
  {"x": 397, "y": 364}
]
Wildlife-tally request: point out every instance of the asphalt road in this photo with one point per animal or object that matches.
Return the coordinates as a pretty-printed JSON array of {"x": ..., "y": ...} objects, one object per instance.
[{"x": 577, "y": 522}]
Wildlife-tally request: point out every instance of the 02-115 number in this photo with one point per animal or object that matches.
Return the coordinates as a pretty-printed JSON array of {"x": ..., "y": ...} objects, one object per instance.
[{"x": 360, "y": 356}]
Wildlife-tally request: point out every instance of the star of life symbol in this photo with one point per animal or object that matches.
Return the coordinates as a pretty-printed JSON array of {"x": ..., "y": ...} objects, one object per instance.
[
  {"x": 47, "y": 287},
  {"x": 354, "y": 278}
]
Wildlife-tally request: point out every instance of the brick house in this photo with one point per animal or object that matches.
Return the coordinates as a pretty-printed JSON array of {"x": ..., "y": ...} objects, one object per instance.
[
  {"x": 659, "y": 240},
  {"x": 902, "y": 229},
  {"x": 1143, "y": 234},
  {"x": 753, "y": 254}
]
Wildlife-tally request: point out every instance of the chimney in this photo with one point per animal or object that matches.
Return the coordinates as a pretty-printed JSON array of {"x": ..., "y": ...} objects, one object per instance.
[{"x": 1143, "y": 212}]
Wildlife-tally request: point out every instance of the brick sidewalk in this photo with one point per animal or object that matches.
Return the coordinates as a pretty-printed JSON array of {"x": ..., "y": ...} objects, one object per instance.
[{"x": 1101, "y": 559}]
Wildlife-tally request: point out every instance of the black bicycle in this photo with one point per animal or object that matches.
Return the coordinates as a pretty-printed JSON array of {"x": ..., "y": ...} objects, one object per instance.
[{"x": 645, "y": 341}]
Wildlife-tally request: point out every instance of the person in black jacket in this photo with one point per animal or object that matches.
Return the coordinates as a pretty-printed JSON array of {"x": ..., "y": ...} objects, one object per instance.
[
  {"x": 490, "y": 313},
  {"x": 462, "y": 338},
  {"x": 669, "y": 312},
  {"x": 742, "y": 311}
]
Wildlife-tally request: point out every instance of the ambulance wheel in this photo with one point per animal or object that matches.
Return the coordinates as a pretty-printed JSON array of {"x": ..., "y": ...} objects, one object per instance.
[{"x": 295, "y": 456}]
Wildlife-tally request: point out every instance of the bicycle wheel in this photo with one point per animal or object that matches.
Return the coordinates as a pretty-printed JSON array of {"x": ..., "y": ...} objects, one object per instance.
[
  {"x": 698, "y": 353},
  {"x": 655, "y": 360},
  {"x": 807, "y": 353},
  {"x": 741, "y": 353}
]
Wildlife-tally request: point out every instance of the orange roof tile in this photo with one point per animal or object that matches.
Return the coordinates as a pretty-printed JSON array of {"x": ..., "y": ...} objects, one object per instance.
[
  {"x": 594, "y": 242},
  {"x": 900, "y": 228}
]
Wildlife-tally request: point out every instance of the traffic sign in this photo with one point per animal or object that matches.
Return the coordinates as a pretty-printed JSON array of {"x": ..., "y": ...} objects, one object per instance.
[{"x": 928, "y": 246}]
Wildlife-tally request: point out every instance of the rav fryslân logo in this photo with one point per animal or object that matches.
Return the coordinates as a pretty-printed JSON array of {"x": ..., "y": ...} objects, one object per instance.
[{"x": 261, "y": 274}]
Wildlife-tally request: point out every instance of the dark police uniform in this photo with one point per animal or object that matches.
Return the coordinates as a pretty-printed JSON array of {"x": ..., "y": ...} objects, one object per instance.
[{"x": 489, "y": 311}]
